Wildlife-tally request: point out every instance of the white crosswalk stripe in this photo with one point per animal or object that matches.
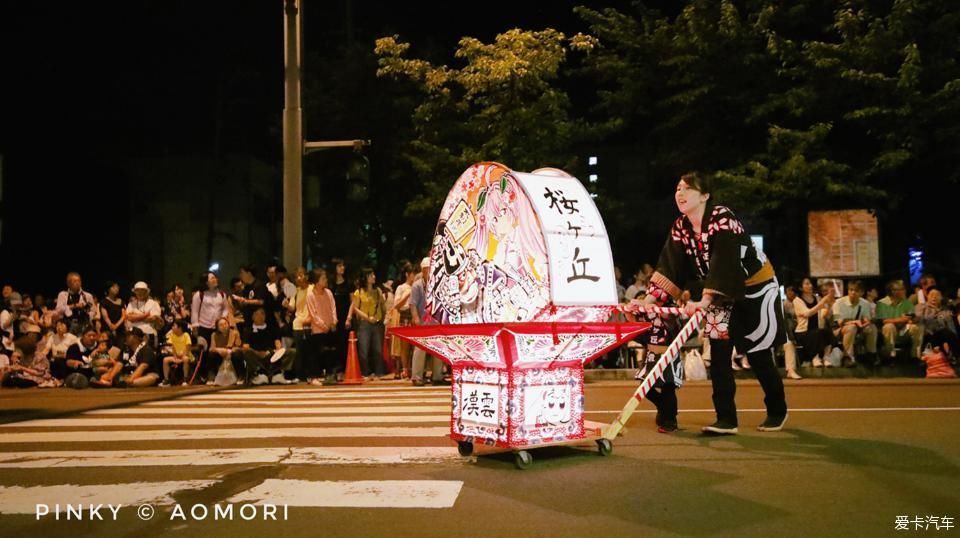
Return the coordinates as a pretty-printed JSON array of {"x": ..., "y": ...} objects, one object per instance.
[
  {"x": 292, "y": 426},
  {"x": 252, "y": 414}
]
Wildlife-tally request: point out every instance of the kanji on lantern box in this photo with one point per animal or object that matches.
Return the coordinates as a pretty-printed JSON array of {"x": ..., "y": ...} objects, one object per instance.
[{"x": 520, "y": 385}]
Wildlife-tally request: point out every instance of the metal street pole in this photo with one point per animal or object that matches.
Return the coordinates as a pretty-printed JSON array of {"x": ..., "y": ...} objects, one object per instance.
[{"x": 292, "y": 139}]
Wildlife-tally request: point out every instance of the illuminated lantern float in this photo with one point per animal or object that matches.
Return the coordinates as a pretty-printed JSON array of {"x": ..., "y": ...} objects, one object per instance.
[{"x": 521, "y": 287}]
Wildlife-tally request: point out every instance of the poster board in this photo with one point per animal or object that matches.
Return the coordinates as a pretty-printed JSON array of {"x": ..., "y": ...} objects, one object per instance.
[{"x": 843, "y": 243}]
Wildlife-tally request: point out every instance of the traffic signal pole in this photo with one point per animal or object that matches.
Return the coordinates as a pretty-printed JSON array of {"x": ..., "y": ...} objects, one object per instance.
[{"x": 292, "y": 138}]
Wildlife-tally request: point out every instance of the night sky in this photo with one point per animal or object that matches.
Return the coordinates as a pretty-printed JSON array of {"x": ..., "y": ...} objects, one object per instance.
[{"x": 89, "y": 86}]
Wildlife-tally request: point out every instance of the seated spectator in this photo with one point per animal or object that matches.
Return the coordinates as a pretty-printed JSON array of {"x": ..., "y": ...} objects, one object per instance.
[
  {"x": 59, "y": 341},
  {"x": 75, "y": 305},
  {"x": 852, "y": 315},
  {"x": 208, "y": 307},
  {"x": 8, "y": 319},
  {"x": 79, "y": 356},
  {"x": 144, "y": 313},
  {"x": 179, "y": 354},
  {"x": 225, "y": 345},
  {"x": 871, "y": 297},
  {"x": 27, "y": 368},
  {"x": 260, "y": 342},
  {"x": 106, "y": 365},
  {"x": 112, "y": 313},
  {"x": 142, "y": 367},
  {"x": 926, "y": 282},
  {"x": 808, "y": 335},
  {"x": 896, "y": 314},
  {"x": 939, "y": 332}
]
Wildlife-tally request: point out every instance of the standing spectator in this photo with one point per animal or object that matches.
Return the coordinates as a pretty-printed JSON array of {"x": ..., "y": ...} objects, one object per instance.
[
  {"x": 278, "y": 296},
  {"x": 418, "y": 316},
  {"x": 341, "y": 294},
  {"x": 621, "y": 291},
  {"x": 59, "y": 341},
  {"x": 175, "y": 308},
  {"x": 896, "y": 315},
  {"x": 144, "y": 313},
  {"x": 112, "y": 313},
  {"x": 301, "y": 326},
  {"x": 400, "y": 348},
  {"x": 260, "y": 342},
  {"x": 8, "y": 319},
  {"x": 141, "y": 359},
  {"x": 178, "y": 353},
  {"x": 790, "y": 324},
  {"x": 207, "y": 307},
  {"x": 852, "y": 314},
  {"x": 225, "y": 345},
  {"x": 806, "y": 305},
  {"x": 368, "y": 306},
  {"x": 74, "y": 304},
  {"x": 321, "y": 318},
  {"x": 638, "y": 288},
  {"x": 31, "y": 326},
  {"x": 5, "y": 295},
  {"x": 286, "y": 295},
  {"x": 939, "y": 332},
  {"x": 236, "y": 306},
  {"x": 255, "y": 295},
  {"x": 47, "y": 315}
]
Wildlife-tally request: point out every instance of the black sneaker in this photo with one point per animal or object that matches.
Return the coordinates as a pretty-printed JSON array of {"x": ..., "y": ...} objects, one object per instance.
[
  {"x": 720, "y": 428},
  {"x": 773, "y": 424}
]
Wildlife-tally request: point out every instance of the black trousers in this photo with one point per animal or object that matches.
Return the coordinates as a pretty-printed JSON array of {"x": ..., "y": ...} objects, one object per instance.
[
  {"x": 725, "y": 387},
  {"x": 665, "y": 398}
]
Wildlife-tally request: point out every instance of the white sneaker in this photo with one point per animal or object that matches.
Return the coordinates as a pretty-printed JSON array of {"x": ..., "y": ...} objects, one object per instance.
[
  {"x": 239, "y": 382},
  {"x": 817, "y": 362},
  {"x": 295, "y": 381},
  {"x": 164, "y": 384},
  {"x": 278, "y": 379},
  {"x": 260, "y": 379},
  {"x": 211, "y": 382},
  {"x": 184, "y": 384}
]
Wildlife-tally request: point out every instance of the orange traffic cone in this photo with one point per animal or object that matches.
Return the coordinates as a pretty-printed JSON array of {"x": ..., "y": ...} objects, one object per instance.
[{"x": 352, "y": 375}]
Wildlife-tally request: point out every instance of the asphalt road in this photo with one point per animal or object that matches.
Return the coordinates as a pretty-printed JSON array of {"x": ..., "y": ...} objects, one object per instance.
[{"x": 855, "y": 455}]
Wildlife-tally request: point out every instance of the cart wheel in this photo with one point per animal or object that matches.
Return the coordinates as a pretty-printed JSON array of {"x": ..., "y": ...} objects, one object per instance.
[
  {"x": 465, "y": 448},
  {"x": 604, "y": 446},
  {"x": 523, "y": 459}
]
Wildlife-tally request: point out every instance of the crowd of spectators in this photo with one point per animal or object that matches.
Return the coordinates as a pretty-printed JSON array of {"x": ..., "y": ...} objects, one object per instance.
[
  {"x": 281, "y": 331},
  {"x": 255, "y": 332}
]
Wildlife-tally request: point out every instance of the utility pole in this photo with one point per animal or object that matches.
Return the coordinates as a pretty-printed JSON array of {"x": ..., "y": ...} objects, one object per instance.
[{"x": 292, "y": 138}]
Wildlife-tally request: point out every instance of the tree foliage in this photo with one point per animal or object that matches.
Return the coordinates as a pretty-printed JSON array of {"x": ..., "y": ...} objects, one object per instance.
[
  {"x": 501, "y": 101},
  {"x": 809, "y": 101}
]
